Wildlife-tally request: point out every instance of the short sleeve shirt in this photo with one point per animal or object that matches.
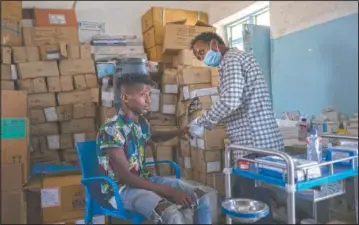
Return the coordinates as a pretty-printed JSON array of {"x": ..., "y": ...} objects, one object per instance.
[{"x": 126, "y": 135}]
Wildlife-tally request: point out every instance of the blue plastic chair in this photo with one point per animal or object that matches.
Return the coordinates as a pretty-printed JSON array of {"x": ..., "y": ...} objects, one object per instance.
[{"x": 92, "y": 178}]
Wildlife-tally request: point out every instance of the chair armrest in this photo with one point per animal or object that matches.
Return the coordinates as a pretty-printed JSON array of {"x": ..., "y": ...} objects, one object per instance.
[
  {"x": 173, "y": 164},
  {"x": 86, "y": 182}
]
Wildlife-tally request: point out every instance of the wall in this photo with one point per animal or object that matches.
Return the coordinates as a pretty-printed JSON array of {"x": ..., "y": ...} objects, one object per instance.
[
  {"x": 314, "y": 53},
  {"x": 124, "y": 17},
  {"x": 314, "y": 56}
]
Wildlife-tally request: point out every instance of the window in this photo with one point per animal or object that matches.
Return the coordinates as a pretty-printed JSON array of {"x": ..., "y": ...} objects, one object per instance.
[
  {"x": 263, "y": 19},
  {"x": 234, "y": 30}
]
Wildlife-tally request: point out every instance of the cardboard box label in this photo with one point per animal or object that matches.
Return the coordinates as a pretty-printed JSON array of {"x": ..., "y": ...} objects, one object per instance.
[
  {"x": 13, "y": 128},
  {"x": 50, "y": 197}
]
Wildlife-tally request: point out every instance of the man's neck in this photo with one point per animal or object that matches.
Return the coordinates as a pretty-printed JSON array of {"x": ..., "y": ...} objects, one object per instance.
[
  {"x": 130, "y": 114},
  {"x": 223, "y": 49}
]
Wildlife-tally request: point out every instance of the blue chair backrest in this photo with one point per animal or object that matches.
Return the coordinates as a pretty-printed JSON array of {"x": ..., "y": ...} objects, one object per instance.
[{"x": 87, "y": 153}]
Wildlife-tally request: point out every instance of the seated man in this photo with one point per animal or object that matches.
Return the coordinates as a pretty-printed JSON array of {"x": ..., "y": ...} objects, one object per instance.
[{"x": 121, "y": 142}]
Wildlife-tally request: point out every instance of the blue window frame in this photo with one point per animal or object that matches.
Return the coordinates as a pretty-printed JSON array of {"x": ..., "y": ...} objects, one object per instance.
[{"x": 234, "y": 30}]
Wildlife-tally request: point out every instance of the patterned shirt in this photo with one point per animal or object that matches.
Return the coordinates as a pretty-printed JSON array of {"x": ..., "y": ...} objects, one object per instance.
[
  {"x": 123, "y": 133},
  {"x": 244, "y": 104}
]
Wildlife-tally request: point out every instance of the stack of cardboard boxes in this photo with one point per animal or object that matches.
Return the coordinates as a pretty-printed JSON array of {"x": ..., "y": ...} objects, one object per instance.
[
  {"x": 187, "y": 89},
  {"x": 59, "y": 76},
  {"x": 153, "y": 28}
]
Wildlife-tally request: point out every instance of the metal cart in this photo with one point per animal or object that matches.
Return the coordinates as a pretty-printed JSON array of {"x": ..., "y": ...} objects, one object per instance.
[{"x": 332, "y": 177}]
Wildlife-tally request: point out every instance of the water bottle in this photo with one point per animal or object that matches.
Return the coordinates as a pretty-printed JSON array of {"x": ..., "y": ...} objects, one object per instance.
[
  {"x": 314, "y": 146},
  {"x": 303, "y": 130}
]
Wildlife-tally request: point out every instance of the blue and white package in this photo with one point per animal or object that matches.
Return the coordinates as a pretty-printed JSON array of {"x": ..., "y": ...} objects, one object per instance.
[
  {"x": 277, "y": 172},
  {"x": 340, "y": 152}
]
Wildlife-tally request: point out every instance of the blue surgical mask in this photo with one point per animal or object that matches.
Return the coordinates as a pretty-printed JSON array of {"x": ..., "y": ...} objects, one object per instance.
[{"x": 213, "y": 58}]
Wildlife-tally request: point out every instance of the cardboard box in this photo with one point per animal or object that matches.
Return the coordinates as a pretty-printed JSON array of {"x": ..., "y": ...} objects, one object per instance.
[
  {"x": 155, "y": 53},
  {"x": 14, "y": 129},
  {"x": 173, "y": 141},
  {"x": 136, "y": 49},
  {"x": 53, "y": 84},
  {"x": 41, "y": 100},
  {"x": 55, "y": 17},
  {"x": 6, "y": 72},
  {"x": 55, "y": 197},
  {"x": 194, "y": 75},
  {"x": 197, "y": 90},
  {"x": 85, "y": 52},
  {"x": 5, "y": 55},
  {"x": 213, "y": 180},
  {"x": 159, "y": 16},
  {"x": 84, "y": 110},
  {"x": 11, "y": 9},
  {"x": 169, "y": 81},
  {"x": 73, "y": 51},
  {"x": 7, "y": 85},
  {"x": 185, "y": 150},
  {"x": 67, "y": 83},
  {"x": 213, "y": 139},
  {"x": 12, "y": 177},
  {"x": 155, "y": 100},
  {"x": 206, "y": 161},
  {"x": 44, "y": 129},
  {"x": 78, "y": 126},
  {"x": 178, "y": 36},
  {"x": 37, "y": 69},
  {"x": 76, "y": 66},
  {"x": 53, "y": 51},
  {"x": 10, "y": 32},
  {"x": 36, "y": 85},
  {"x": 15, "y": 210},
  {"x": 32, "y": 53},
  {"x": 91, "y": 80},
  {"x": 19, "y": 54},
  {"x": 168, "y": 104},
  {"x": 74, "y": 97},
  {"x": 214, "y": 76},
  {"x": 186, "y": 174},
  {"x": 45, "y": 156},
  {"x": 159, "y": 119},
  {"x": 36, "y": 36},
  {"x": 80, "y": 82},
  {"x": 37, "y": 116},
  {"x": 107, "y": 113},
  {"x": 186, "y": 57},
  {"x": 164, "y": 152}
]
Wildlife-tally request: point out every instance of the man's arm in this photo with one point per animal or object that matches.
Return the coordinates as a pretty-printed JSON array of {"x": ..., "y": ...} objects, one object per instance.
[
  {"x": 162, "y": 136},
  {"x": 229, "y": 97}
]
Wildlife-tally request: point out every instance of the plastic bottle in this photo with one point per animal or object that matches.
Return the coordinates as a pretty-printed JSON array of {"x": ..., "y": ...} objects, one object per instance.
[
  {"x": 303, "y": 130},
  {"x": 314, "y": 146}
]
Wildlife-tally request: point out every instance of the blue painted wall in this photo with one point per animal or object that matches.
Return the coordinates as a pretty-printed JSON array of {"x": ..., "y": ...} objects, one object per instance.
[{"x": 317, "y": 67}]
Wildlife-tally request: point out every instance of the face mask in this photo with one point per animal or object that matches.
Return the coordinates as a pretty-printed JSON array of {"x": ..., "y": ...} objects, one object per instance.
[{"x": 213, "y": 58}]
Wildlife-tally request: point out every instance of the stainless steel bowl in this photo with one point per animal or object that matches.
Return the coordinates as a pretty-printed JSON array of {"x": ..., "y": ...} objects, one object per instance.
[{"x": 245, "y": 210}]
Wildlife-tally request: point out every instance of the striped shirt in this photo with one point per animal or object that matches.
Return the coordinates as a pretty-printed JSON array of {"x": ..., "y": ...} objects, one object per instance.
[{"x": 244, "y": 104}]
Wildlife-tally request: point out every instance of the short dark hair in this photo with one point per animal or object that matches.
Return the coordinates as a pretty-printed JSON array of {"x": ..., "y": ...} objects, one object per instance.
[
  {"x": 207, "y": 37},
  {"x": 133, "y": 78}
]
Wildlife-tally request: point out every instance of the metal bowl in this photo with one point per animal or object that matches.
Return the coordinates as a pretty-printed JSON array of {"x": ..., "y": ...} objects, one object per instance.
[{"x": 245, "y": 210}]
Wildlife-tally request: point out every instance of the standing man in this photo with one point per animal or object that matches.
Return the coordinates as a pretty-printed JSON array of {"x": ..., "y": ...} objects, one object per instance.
[{"x": 244, "y": 103}]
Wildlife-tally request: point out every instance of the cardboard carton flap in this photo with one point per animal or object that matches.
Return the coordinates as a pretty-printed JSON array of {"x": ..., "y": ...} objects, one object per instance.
[
  {"x": 182, "y": 22},
  {"x": 202, "y": 24}
]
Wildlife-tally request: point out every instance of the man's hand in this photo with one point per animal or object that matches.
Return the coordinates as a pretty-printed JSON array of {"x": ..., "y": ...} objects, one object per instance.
[
  {"x": 179, "y": 197},
  {"x": 184, "y": 133}
]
